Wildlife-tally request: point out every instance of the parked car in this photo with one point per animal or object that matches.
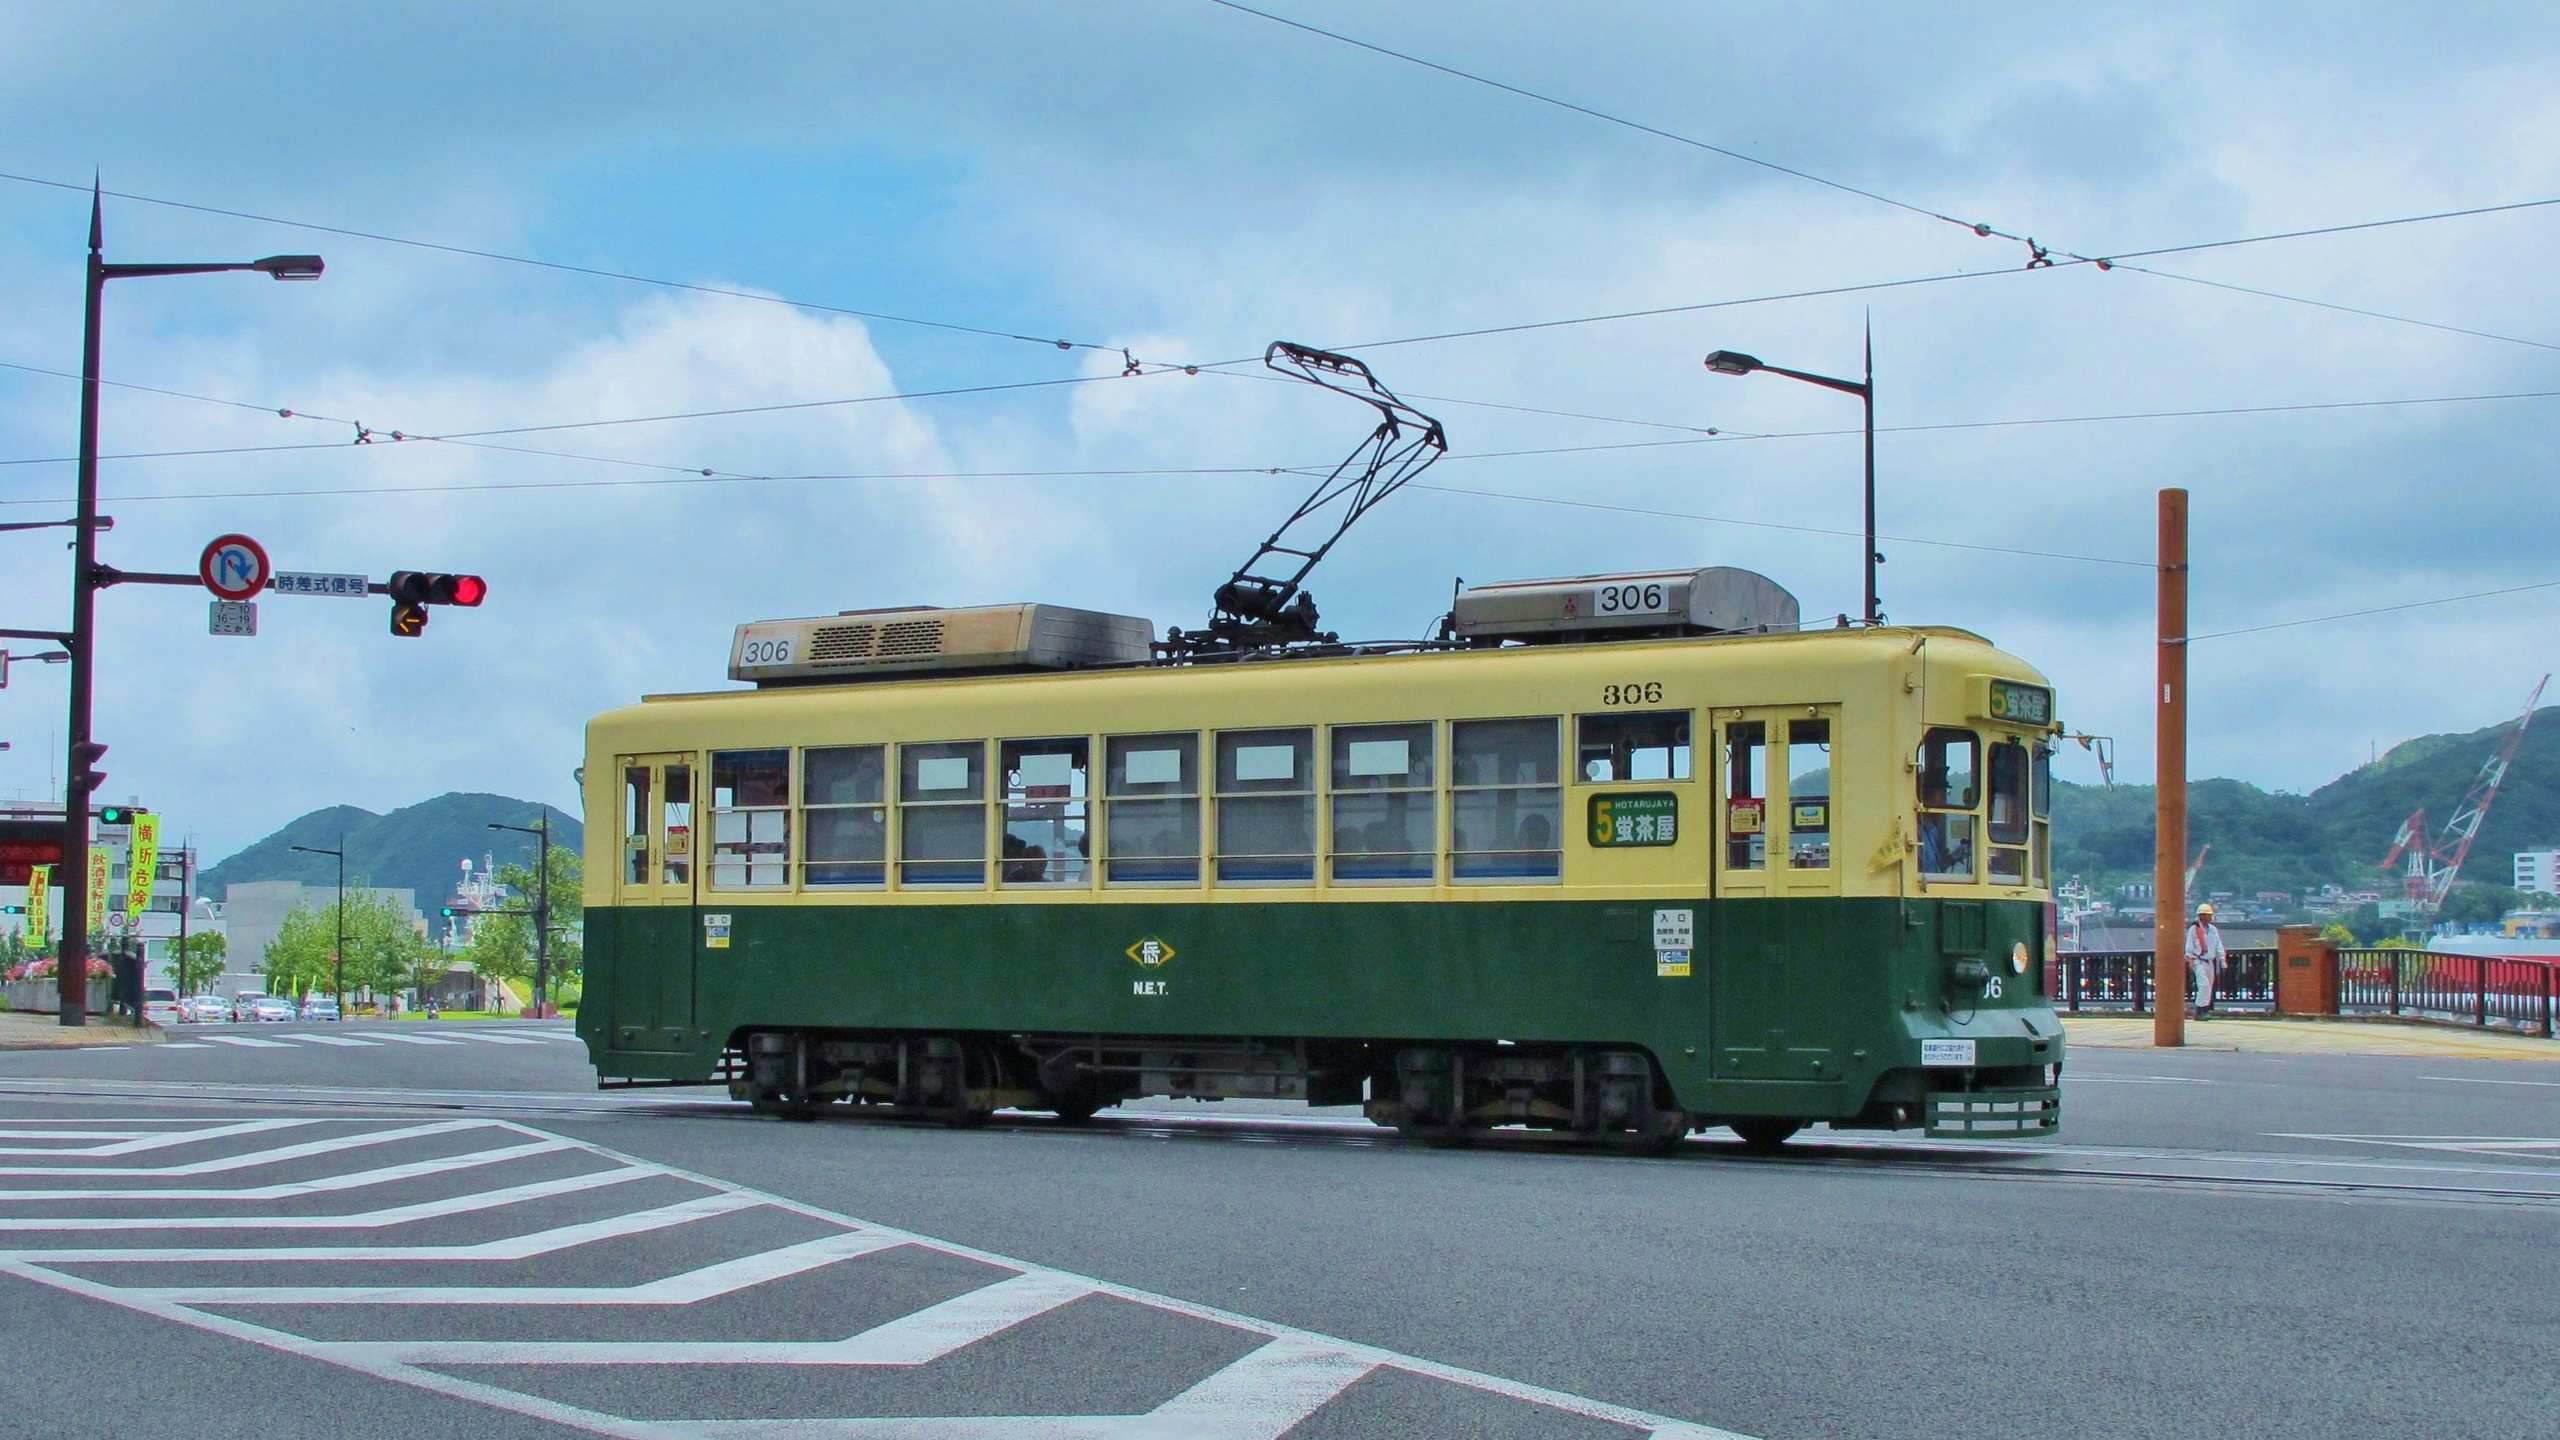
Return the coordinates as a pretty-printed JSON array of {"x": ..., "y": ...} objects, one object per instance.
[
  {"x": 320, "y": 1007},
  {"x": 244, "y": 1006},
  {"x": 204, "y": 1010},
  {"x": 160, "y": 1007},
  {"x": 273, "y": 1008}
]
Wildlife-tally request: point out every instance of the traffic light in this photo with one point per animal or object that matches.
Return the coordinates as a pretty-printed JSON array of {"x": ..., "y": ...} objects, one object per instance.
[
  {"x": 412, "y": 591},
  {"x": 85, "y": 774},
  {"x": 118, "y": 814},
  {"x": 13, "y": 909}
]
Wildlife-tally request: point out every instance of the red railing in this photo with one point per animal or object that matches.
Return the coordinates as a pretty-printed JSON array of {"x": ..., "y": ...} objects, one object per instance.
[{"x": 2488, "y": 991}]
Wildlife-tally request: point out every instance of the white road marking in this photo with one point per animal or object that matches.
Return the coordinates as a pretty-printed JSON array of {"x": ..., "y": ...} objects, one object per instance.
[
  {"x": 317, "y": 1039},
  {"x": 2068, "y": 1078},
  {"x": 495, "y": 1039},
  {"x": 132, "y": 1142},
  {"x": 186, "y": 1045},
  {"x": 710, "y": 1282},
  {"x": 327, "y": 1185},
  {"x": 2498, "y": 1145},
  {"x": 382, "y": 1219},
  {"x": 247, "y": 1043},
  {"x": 1269, "y": 1390},
  {"x": 411, "y": 1039},
  {"x": 252, "y": 1159},
  {"x": 513, "y": 1247},
  {"x": 2484, "y": 1080}
]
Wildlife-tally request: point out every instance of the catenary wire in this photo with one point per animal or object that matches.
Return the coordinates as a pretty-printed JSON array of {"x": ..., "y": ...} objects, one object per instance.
[
  {"x": 2041, "y": 256},
  {"x": 2375, "y": 610},
  {"x": 594, "y": 271}
]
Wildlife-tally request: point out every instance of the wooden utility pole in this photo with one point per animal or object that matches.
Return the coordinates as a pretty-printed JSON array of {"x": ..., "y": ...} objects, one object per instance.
[{"x": 2169, "y": 859}]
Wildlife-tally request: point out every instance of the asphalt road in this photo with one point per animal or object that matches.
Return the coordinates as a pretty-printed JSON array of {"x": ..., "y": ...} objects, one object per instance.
[{"x": 315, "y": 1239}]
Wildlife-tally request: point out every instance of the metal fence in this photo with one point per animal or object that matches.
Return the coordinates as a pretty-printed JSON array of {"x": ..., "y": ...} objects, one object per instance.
[
  {"x": 2489, "y": 991},
  {"x": 2121, "y": 980}
]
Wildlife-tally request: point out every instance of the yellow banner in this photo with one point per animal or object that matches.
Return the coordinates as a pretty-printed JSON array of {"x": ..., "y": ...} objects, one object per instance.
[
  {"x": 39, "y": 906},
  {"x": 145, "y": 868},
  {"x": 98, "y": 863}
]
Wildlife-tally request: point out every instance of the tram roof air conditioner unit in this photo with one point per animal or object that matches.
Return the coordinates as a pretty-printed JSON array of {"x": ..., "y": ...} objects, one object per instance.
[
  {"x": 1718, "y": 600},
  {"x": 979, "y": 639}
]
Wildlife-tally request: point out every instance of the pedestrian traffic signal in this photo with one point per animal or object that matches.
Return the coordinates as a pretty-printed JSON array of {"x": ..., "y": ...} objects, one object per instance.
[{"x": 85, "y": 774}]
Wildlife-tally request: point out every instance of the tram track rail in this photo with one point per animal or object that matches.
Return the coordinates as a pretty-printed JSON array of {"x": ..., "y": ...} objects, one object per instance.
[{"x": 2230, "y": 1172}]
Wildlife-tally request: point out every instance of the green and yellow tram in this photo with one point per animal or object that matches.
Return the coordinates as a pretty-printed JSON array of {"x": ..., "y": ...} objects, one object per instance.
[{"x": 1623, "y": 856}]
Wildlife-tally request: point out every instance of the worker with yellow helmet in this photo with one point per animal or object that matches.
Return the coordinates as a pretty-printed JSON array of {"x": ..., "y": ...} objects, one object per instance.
[{"x": 2205, "y": 955}]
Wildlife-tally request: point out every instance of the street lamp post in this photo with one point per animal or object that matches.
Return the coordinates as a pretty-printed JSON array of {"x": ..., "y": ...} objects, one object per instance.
[
  {"x": 71, "y": 969},
  {"x": 541, "y": 908},
  {"x": 340, "y": 954},
  {"x": 1731, "y": 362}
]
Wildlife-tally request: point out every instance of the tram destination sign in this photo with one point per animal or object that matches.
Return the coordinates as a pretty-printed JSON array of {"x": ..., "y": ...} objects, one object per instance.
[
  {"x": 2016, "y": 703},
  {"x": 1633, "y": 821}
]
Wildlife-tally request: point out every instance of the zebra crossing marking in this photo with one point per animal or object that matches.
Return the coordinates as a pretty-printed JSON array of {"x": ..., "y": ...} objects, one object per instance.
[
  {"x": 247, "y": 1043},
  {"x": 1288, "y": 1376}
]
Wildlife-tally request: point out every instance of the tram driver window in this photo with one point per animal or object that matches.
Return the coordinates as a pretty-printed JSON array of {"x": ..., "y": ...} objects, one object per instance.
[
  {"x": 1385, "y": 812},
  {"x": 750, "y": 819},
  {"x": 1267, "y": 805},
  {"x": 1949, "y": 764},
  {"x": 2008, "y": 824},
  {"x": 942, "y": 813},
  {"x": 1632, "y": 745},
  {"x": 1046, "y": 826}
]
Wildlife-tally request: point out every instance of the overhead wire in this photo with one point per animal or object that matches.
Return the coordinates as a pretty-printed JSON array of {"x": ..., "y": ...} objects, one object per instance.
[
  {"x": 2040, "y": 256},
  {"x": 2373, "y": 610}
]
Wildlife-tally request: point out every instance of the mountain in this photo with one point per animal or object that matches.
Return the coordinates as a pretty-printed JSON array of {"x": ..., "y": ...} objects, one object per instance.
[
  {"x": 419, "y": 847},
  {"x": 2335, "y": 834}
]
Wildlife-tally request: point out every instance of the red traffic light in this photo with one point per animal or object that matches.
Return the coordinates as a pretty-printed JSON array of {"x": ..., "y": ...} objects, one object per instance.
[{"x": 467, "y": 590}]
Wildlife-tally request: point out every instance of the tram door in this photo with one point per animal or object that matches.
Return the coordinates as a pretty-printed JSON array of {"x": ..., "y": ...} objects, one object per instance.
[
  {"x": 652, "y": 985},
  {"x": 1783, "y": 976}
]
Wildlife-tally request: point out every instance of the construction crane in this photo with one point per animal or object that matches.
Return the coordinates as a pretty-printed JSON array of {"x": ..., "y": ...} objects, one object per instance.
[{"x": 2431, "y": 867}]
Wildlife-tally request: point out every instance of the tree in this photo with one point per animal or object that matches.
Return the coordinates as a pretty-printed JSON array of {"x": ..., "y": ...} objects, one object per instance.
[
  {"x": 568, "y": 909},
  {"x": 199, "y": 960},
  {"x": 2337, "y": 933},
  {"x": 384, "y": 948}
]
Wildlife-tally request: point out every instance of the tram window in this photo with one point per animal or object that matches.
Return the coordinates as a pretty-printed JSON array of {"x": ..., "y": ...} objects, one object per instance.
[
  {"x": 1808, "y": 765},
  {"x": 676, "y": 845},
  {"x": 1151, "y": 796},
  {"x": 844, "y": 816},
  {"x": 2043, "y": 790},
  {"x": 750, "y": 819},
  {"x": 1949, "y": 763},
  {"x": 942, "y": 813},
  {"x": 1746, "y": 795},
  {"x": 1506, "y": 800},
  {"x": 1046, "y": 822},
  {"x": 1267, "y": 805},
  {"x": 635, "y": 825},
  {"x": 1385, "y": 812},
  {"x": 1632, "y": 745},
  {"x": 2007, "y": 821}
]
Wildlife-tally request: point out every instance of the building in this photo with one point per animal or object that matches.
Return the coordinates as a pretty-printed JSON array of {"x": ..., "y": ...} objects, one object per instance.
[
  {"x": 477, "y": 893},
  {"x": 254, "y": 912},
  {"x": 2538, "y": 872},
  {"x": 173, "y": 908}
]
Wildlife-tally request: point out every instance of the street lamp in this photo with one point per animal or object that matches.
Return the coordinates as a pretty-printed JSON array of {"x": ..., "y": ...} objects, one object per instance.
[
  {"x": 340, "y": 955},
  {"x": 1733, "y": 362},
  {"x": 85, "y": 580},
  {"x": 541, "y": 909}
]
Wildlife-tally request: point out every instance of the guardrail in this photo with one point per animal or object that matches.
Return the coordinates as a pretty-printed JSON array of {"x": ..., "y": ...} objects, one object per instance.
[
  {"x": 2104, "y": 980},
  {"x": 2486, "y": 991}
]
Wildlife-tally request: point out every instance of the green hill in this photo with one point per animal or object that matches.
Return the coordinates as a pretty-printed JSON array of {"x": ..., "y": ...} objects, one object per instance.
[
  {"x": 419, "y": 847},
  {"x": 2335, "y": 834}
]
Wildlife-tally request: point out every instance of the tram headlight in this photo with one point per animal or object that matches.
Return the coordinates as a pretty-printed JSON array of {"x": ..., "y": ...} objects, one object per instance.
[{"x": 2018, "y": 958}]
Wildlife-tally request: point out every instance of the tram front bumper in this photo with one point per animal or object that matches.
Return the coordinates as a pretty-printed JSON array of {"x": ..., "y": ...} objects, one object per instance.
[{"x": 2024, "y": 1112}]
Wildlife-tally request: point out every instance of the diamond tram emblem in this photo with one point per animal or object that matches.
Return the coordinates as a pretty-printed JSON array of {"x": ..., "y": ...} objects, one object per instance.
[{"x": 1150, "y": 952}]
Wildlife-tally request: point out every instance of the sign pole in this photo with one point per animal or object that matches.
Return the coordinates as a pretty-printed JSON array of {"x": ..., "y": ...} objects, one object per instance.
[{"x": 2169, "y": 858}]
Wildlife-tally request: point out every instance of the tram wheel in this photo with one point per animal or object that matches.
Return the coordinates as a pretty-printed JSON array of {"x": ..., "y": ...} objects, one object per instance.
[
  {"x": 1765, "y": 1136},
  {"x": 1075, "y": 1111},
  {"x": 773, "y": 1104}
]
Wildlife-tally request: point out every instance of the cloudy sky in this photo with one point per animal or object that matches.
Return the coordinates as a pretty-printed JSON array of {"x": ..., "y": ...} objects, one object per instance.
[{"x": 1188, "y": 182}]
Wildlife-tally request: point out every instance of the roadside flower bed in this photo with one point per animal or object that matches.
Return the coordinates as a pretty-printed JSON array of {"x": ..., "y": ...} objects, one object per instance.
[{"x": 43, "y": 970}]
